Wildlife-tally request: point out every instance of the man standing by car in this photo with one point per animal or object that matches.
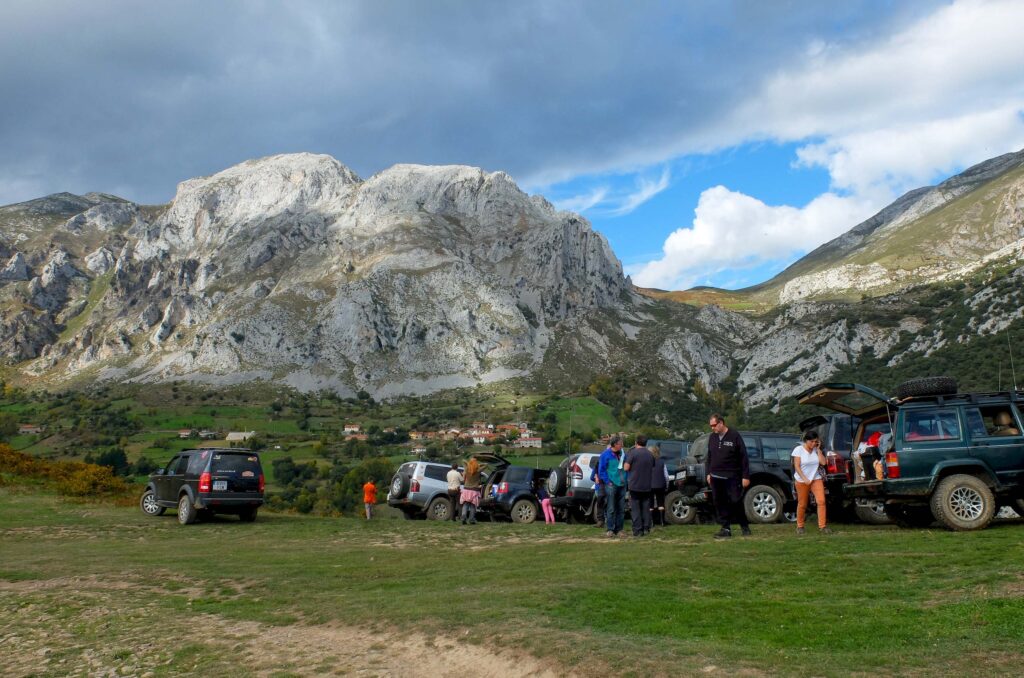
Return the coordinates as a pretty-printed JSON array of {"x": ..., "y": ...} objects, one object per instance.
[
  {"x": 454, "y": 488},
  {"x": 728, "y": 476},
  {"x": 610, "y": 474},
  {"x": 640, "y": 465}
]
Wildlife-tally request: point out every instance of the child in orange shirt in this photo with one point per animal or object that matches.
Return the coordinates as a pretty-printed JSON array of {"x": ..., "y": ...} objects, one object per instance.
[{"x": 369, "y": 498}]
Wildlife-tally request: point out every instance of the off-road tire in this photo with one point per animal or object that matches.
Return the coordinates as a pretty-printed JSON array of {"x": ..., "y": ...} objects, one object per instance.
[
  {"x": 187, "y": 514},
  {"x": 399, "y": 486},
  {"x": 763, "y": 504},
  {"x": 926, "y": 386},
  {"x": 910, "y": 516},
  {"x": 523, "y": 511},
  {"x": 872, "y": 514},
  {"x": 556, "y": 482},
  {"x": 677, "y": 513},
  {"x": 408, "y": 515},
  {"x": 148, "y": 504},
  {"x": 440, "y": 508},
  {"x": 963, "y": 502},
  {"x": 248, "y": 515}
]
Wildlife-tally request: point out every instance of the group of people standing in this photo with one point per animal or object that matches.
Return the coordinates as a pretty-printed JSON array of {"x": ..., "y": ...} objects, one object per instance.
[
  {"x": 641, "y": 473},
  {"x": 464, "y": 491}
]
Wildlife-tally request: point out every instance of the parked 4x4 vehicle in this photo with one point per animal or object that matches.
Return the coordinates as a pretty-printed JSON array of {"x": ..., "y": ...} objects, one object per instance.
[
  {"x": 206, "y": 481},
  {"x": 420, "y": 489},
  {"x": 948, "y": 456},
  {"x": 770, "y": 493},
  {"x": 509, "y": 491}
]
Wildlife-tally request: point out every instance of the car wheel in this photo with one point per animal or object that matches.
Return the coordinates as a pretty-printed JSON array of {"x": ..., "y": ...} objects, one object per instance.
[
  {"x": 524, "y": 511},
  {"x": 149, "y": 506},
  {"x": 926, "y": 386},
  {"x": 1018, "y": 506},
  {"x": 399, "y": 486},
  {"x": 872, "y": 513},
  {"x": 676, "y": 512},
  {"x": 408, "y": 515},
  {"x": 909, "y": 515},
  {"x": 187, "y": 514},
  {"x": 963, "y": 502},
  {"x": 556, "y": 482},
  {"x": 789, "y": 516},
  {"x": 439, "y": 509},
  {"x": 763, "y": 504},
  {"x": 248, "y": 515}
]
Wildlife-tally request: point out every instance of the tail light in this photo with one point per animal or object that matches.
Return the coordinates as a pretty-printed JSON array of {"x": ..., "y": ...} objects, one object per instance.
[
  {"x": 892, "y": 465},
  {"x": 503, "y": 488},
  {"x": 576, "y": 471},
  {"x": 263, "y": 482},
  {"x": 204, "y": 482},
  {"x": 414, "y": 486},
  {"x": 835, "y": 463}
]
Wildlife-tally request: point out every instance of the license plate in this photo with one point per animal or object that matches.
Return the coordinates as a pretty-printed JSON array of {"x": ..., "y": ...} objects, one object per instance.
[{"x": 220, "y": 485}]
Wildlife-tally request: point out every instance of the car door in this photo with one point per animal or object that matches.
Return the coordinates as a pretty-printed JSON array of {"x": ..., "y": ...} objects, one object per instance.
[
  {"x": 999, "y": 448},
  {"x": 779, "y": 449},
  {"x": 161, "y": 482},
  {"x": 174, "y": 477},
  {"x": 928, "y": 436}
]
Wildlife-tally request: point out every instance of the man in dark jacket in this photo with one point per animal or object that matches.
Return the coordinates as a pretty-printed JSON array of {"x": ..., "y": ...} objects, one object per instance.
[
  {"x": 640, "y": 466},
  {"x": 728, "y": 476}
]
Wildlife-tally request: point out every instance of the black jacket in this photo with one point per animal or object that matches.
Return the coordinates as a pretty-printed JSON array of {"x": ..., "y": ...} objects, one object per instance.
[{"x": 727, "y": 457}]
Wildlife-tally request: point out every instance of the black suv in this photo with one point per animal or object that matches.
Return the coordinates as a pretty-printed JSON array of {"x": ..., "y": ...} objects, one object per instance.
[
  {"x": 770, "y": 494},
  {"x": 510, "y": 492},
  {"x": 204, "y": 482},
  {"x": 946, "y": 456}
]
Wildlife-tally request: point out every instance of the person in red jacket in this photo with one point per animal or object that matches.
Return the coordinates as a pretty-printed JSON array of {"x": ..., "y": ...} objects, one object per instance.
[{"x": 369, "y": 498}]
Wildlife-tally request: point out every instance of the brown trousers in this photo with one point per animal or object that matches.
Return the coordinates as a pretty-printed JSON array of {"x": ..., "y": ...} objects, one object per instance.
[{"x": 803, "y": 496}]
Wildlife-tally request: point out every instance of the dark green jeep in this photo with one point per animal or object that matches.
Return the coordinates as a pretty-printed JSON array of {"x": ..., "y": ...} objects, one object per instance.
[{"x": 946, "y": 456}]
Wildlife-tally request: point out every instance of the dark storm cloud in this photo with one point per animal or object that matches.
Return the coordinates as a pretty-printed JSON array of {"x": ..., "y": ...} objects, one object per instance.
[{"x": 132, "y": 97}]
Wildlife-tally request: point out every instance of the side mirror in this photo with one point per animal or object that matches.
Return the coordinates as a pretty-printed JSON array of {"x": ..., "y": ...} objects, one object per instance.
[{"x": 158, "y": 472}]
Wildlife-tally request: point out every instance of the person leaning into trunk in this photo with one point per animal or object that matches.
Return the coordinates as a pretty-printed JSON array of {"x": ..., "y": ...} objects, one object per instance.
[
  {"x": 454, "y": 489},
  {"x": 639, "y": 466},
  {"x": 728, "y": 476},
  {"x": 808, "y": 460},
  {"x": 471, "y": 491}
]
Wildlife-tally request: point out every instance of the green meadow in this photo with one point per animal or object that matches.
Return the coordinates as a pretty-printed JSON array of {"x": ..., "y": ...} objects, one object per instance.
[{"x": 87, "y": 588}]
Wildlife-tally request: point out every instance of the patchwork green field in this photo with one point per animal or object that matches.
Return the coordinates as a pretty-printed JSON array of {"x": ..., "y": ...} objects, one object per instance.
[{"x": 90, "y": 589}]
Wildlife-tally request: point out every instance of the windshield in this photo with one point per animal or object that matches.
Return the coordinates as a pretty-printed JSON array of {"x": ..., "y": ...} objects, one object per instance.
[{"x": 240, "y": 464}]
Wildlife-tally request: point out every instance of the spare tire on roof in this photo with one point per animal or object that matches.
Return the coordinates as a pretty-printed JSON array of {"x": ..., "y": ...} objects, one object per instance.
[{"x": 926, "y": 386}]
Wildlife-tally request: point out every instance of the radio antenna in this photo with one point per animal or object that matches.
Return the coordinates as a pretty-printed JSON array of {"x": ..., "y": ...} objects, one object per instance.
[{"x": 1009, "y": 349}]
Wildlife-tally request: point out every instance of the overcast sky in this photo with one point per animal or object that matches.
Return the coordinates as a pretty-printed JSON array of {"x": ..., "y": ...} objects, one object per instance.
[{"x": 712, "y": 142}]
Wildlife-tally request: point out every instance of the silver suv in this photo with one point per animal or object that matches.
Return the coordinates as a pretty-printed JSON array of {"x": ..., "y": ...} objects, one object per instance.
[
  {"x": 571, "y": 488},
  {"x": 420, "y": 488}
]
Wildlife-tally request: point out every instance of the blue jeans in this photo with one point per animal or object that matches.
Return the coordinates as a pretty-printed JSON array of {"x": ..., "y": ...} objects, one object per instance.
[{"x": 615, "y": 511}]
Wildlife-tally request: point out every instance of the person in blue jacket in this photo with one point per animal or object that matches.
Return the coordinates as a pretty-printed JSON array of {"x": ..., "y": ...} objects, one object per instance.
[{"x": 613, "y": 479}]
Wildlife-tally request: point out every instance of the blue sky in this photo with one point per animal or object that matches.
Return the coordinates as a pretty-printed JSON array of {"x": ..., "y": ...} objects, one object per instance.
[{"x": 711, "y": 142}]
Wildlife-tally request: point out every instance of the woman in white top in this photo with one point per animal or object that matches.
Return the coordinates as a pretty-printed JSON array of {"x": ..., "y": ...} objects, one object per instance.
[{"x": 807, "y": 462}]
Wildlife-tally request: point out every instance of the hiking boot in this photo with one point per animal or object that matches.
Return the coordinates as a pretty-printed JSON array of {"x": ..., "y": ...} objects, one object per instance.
[
  {"x": 800, "y": 531},
  {"x": 609, "y": 534},
  {"x": 826, "y": 530},
  {"x": 723, "y": 533},
  {"x": 746, "y": 532},
  {"x": 622, "y": 535}
]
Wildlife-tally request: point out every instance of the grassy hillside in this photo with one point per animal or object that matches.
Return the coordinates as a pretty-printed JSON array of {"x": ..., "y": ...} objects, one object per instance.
[{"x": 89, "y": 588}]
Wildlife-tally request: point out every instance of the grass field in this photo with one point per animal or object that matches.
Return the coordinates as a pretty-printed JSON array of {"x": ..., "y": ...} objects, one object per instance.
[{"x": 89, "y": 589}]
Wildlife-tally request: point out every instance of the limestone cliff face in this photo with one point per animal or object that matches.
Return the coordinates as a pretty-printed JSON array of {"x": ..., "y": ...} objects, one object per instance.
[{"x": 292, "y": 269}]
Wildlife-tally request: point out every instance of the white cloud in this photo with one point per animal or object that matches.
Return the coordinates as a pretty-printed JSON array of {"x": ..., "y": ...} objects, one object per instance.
[
  {"x": 582, "y": 203},
  {"x": 945, "y": 93},
  {"x": 645, "y": 190},
  {"x": 894, "y": 159},
  {"x": 731, "y": 230}
]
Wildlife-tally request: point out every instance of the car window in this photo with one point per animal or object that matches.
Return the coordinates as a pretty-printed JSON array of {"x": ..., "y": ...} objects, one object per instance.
[
  {"x": 671, "y": 449},
  {"x": 753, "y": 444},
  {"x": 197, "y": 462},
  {"x": 842, "y": 433},
  {"x": 991, "y": 421},
  {"x": 435, "y": 472},
  {"x": 778, "y": 447},
  {"x": 245, "y": 465},
  {"x": 931, "y": 424},
  {"x": 177, "y": 466},
  {"x": 517, "y": 474}
]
